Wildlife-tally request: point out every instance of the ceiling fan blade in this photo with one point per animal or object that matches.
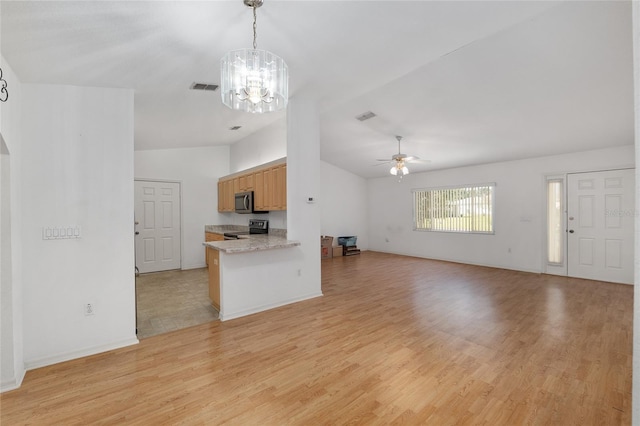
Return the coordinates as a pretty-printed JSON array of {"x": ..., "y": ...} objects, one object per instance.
[
  {"x": 416, "y": 160},
  {"x": 382, "y": 164}
]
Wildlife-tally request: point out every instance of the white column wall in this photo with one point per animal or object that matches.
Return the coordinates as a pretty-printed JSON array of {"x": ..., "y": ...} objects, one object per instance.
[
  {"x": 635, "y": 402},
  {"x": 304, "y": 182},
  {"x": 77, "y": 170},
  {"x": 198, "y": 170},
  {"x": 11, "y": 325}
]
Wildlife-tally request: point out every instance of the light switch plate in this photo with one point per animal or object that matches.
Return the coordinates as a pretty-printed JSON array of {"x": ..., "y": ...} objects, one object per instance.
[{"x": 61, "y": 232}]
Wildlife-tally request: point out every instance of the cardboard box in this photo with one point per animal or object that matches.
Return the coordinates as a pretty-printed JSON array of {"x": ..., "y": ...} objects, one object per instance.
[
  {"x": 337, "y": 251},
  {"x": 325, "y": 247}
]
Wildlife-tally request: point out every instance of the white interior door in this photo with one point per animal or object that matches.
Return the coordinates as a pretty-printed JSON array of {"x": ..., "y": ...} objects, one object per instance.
[
  {"x": 157, "y": 216},
  {"x": 600, "y": 221}
]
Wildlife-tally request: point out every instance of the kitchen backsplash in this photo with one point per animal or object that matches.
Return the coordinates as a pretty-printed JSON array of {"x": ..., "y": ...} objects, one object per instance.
[{"x": 277, "y": 219}]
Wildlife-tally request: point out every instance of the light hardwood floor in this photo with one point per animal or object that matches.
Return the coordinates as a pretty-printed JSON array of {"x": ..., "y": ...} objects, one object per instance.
[{"x": 394, "y": 340}]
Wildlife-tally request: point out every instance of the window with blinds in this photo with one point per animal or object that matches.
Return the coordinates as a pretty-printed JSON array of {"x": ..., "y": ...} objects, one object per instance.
[{"x": 466, "y": 209}]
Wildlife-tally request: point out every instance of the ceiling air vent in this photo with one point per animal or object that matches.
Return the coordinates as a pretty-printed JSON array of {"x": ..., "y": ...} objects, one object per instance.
[
  {"x": 367, "y": 115},
  {"x": 204, "y": 86}
]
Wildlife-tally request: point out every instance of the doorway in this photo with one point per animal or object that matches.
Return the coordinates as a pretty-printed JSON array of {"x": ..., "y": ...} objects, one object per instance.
[
  {"x": 157, "y": 225},
  {"x": 590, "y": 225},
  {"x": 600, "y": 225}
]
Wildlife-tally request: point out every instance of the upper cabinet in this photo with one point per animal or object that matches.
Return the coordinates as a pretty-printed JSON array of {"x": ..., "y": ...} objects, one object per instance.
[
  {"x": 226, "y": 192},
  {"x": 268, "y": 183}
]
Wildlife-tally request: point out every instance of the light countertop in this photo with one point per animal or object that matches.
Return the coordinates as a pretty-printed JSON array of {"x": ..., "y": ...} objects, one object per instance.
[
  {"x": 254, "y": 242},
  {"x": 221, "y": 229}
]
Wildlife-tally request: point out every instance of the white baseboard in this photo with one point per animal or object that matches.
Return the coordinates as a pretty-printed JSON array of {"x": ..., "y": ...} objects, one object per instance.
[
  {"x": 194, "y": 266},
  {"x": 464, "y": 262},
  {"x": 55, "y": 359},
  {"x": 14, "y": 383},
  {"x": 229, "y": 316}
]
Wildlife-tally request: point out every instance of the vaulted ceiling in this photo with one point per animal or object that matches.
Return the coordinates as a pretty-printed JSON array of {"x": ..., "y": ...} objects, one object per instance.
[{"x": 463, "y": 82}]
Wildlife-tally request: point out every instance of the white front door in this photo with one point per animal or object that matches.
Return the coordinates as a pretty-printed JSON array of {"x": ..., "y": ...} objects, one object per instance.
[
  {"x": 157, "y": 217},
  {"x": 600, "y": 222}
]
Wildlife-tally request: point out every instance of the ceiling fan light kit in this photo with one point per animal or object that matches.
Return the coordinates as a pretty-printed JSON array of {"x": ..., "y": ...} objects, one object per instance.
[
  {"x": 399, "y": 167},
  {"x": 254, "y": 80}
]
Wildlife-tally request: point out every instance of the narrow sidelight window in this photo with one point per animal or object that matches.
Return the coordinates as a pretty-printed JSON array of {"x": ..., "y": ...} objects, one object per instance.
[{"x": 555, "y": 231}]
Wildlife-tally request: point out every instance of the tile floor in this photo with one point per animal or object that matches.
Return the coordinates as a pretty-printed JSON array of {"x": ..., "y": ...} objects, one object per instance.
[{"x": 173, "y": 300}]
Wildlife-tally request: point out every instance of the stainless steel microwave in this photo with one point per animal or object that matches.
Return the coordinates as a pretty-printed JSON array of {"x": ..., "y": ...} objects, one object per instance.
[{"x": 244, "y": 202}]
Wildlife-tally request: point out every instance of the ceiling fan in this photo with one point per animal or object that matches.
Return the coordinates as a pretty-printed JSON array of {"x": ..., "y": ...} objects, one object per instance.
[{"x": 400, "y": 161}]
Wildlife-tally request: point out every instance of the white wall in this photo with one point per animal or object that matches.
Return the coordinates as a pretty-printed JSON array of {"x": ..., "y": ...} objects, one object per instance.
[
  {"x": 77, "y": 147},
  {"x": 635, "y": 403},
  {"x": 198, "y": 170},
  {"x": 343, "y": 204},
  {"x": 519, "y": 210},
  {"x": 303, "y": 182},
  {"x": 267, "y": 144},
  {"x": 11, "y": 334}
]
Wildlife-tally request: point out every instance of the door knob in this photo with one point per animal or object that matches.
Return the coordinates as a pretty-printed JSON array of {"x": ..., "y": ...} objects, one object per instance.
[
  {"x": 137, "y": 233},
  {"x": 571, "y": 231}
]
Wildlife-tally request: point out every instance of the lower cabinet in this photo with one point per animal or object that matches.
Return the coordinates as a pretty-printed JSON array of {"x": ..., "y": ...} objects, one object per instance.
[
  {"x": 211, "y": 236},
  {"x": 214, "y": 277}
]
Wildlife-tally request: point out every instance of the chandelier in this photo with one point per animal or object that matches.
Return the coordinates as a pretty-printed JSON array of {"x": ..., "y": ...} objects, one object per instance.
[{"x": 254, "y": 80}]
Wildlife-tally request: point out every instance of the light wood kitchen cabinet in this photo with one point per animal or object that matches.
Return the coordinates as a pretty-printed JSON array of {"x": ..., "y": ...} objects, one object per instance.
[
  {"x": 273, "y": 185},
  {"x": 226, "y": 194},
  {"x": 214, "y": 277},
  {"x": 211, "y": 236},
  {"x": 280, "y": 188},
  {"x": 220, "y": 196},
  {"x": 229, "y": 196},
  {"x": 258, "y": 191},
  {"x": 268, "y": 183},
  {"x": 246, "y": 182}
]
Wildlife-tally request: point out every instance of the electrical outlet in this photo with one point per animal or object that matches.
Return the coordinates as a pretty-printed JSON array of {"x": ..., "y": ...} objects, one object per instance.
[{"x": 89, "y": 309}]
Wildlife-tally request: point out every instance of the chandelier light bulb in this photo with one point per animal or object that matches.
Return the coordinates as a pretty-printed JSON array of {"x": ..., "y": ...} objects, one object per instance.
[{"x": 394, "y": 170}]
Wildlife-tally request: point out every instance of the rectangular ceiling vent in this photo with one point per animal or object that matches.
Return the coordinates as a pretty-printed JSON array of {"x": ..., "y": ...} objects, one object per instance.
[
  {"x": 367, "y": 115},
  {"x": 204, "y": 86}
]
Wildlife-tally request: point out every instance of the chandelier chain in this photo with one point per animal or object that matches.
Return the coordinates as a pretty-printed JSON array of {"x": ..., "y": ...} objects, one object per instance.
[{"x": 255, "y": 29}]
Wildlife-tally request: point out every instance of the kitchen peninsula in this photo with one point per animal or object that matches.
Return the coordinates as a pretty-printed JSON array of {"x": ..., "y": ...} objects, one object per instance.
[{"x": 252, "y": 273}]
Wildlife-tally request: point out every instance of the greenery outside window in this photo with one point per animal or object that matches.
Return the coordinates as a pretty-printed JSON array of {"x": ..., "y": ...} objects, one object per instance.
[{"x": 465, "y": 209}]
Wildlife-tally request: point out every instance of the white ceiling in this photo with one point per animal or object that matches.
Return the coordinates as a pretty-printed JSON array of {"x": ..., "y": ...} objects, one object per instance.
[{"x": 463, "y": 82}]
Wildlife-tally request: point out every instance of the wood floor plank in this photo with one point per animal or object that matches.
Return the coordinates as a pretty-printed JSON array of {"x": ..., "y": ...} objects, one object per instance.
[{"x": 394, "y": 340}]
